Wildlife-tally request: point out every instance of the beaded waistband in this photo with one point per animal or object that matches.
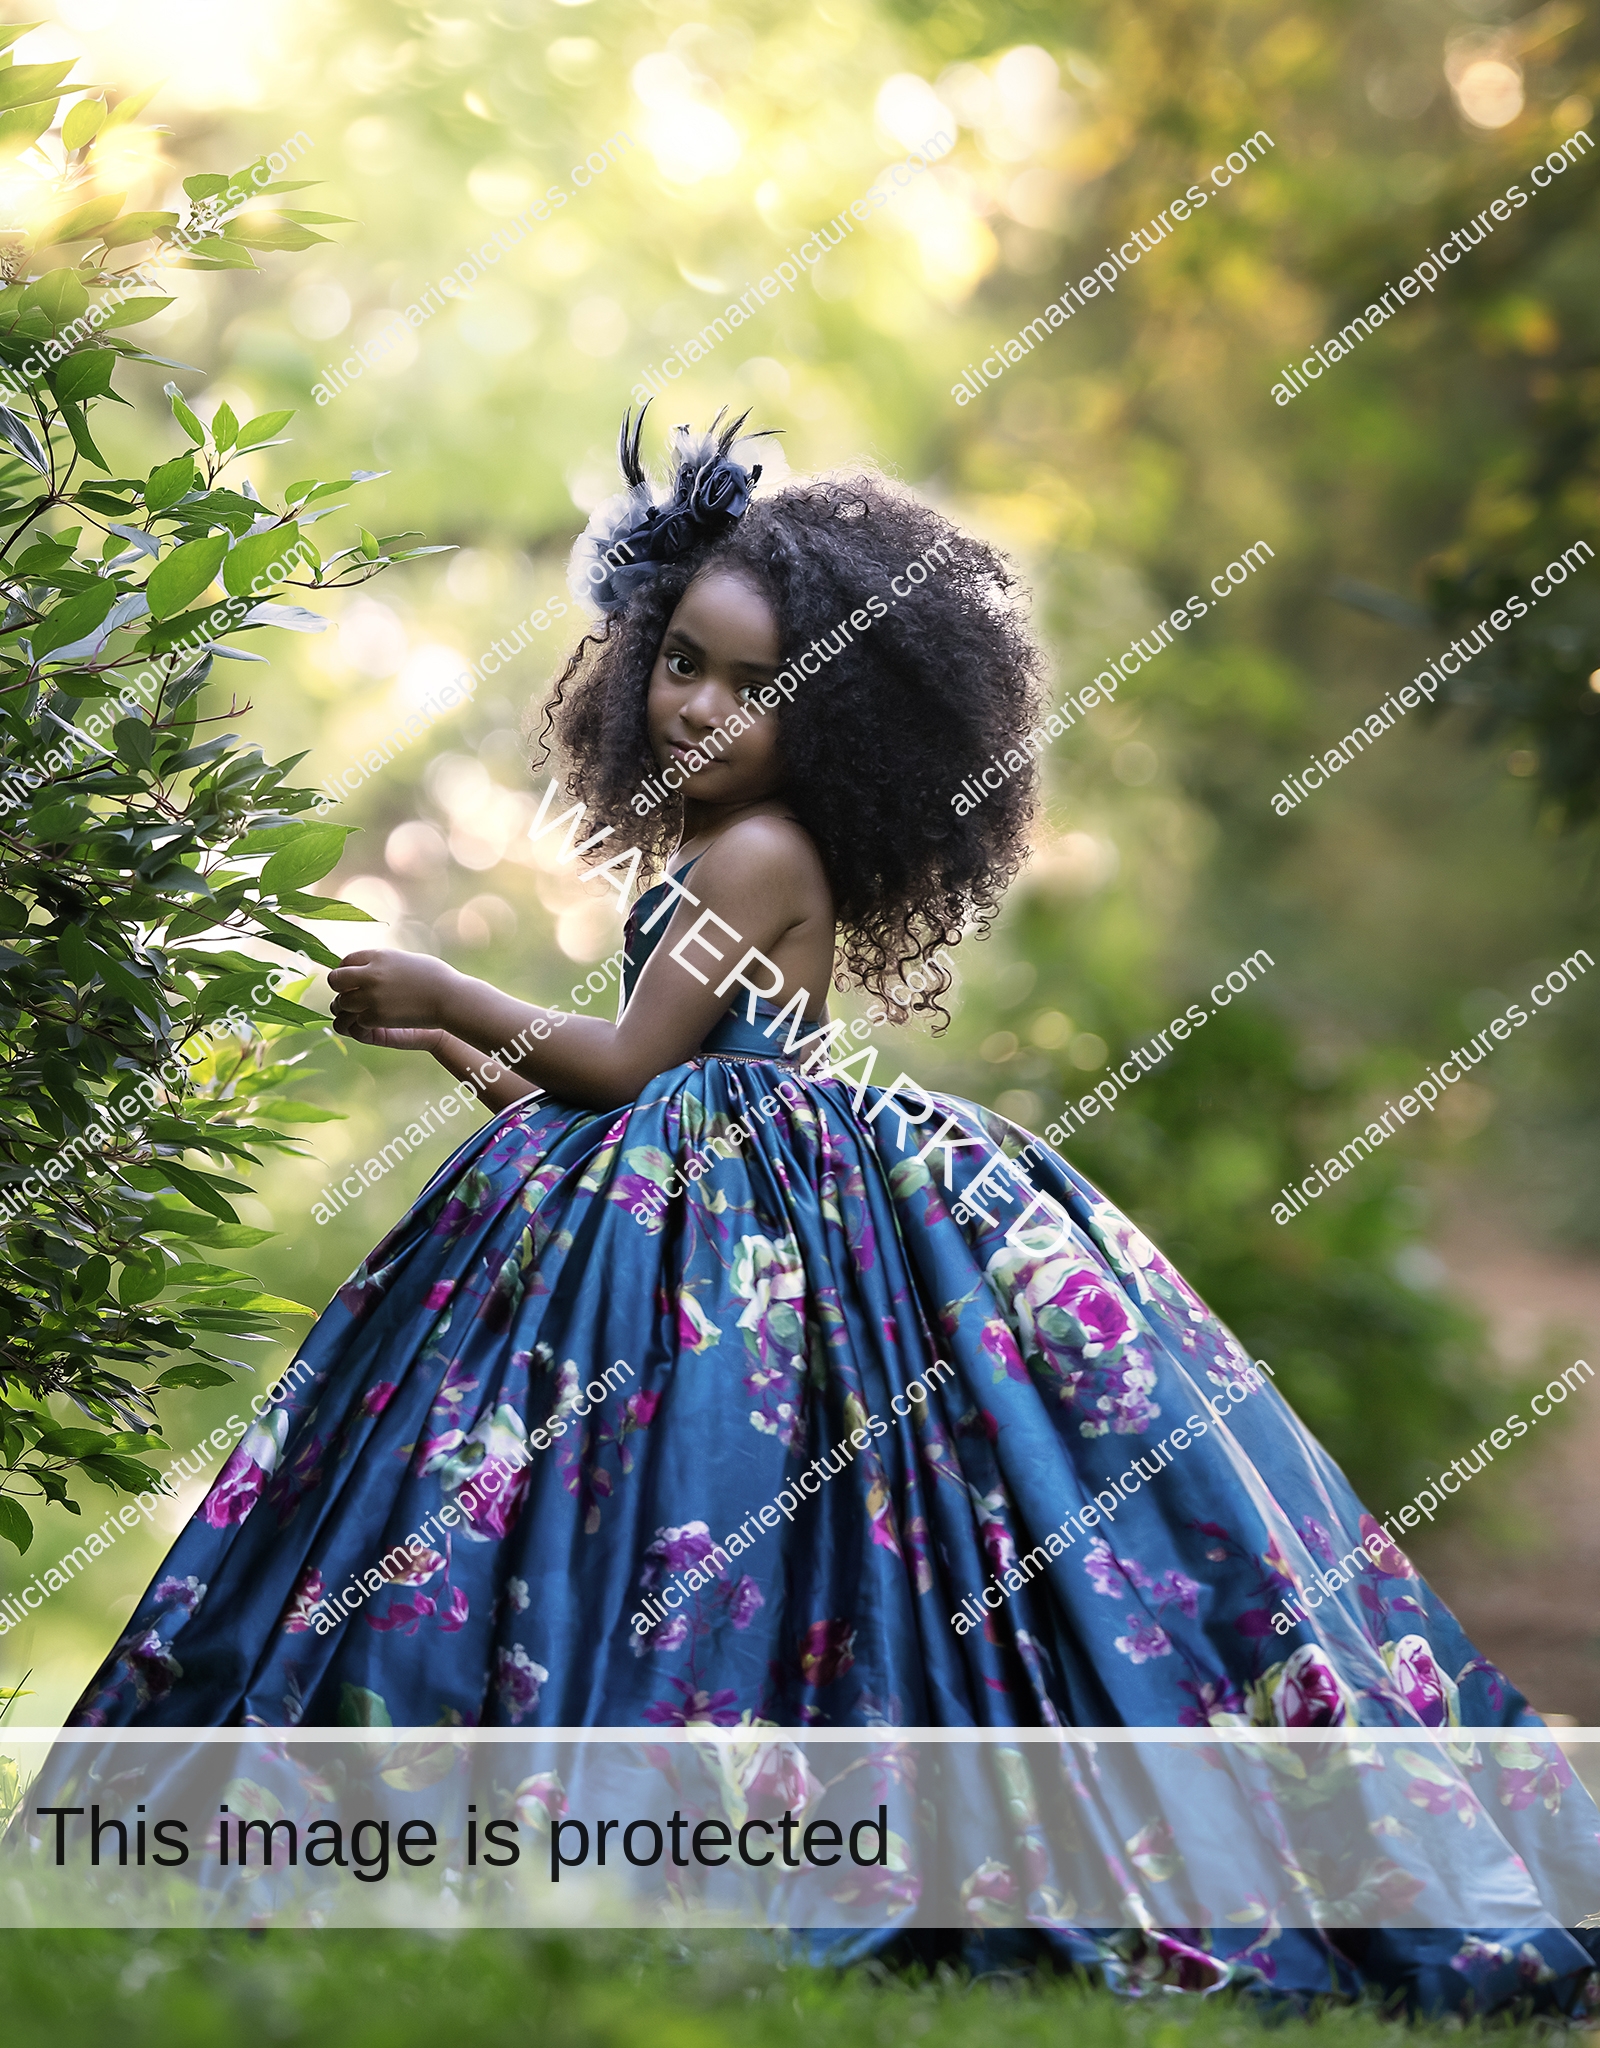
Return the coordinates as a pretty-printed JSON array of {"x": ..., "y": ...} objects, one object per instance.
[{"x": 750, "y": 1059}]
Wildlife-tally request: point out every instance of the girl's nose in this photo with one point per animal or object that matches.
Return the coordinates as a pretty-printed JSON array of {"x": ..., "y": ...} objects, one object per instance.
[{"x": 707, "y": 705}]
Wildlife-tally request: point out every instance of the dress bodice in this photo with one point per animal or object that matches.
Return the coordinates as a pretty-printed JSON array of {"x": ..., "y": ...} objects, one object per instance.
[{"x": 734, "y": 1033}]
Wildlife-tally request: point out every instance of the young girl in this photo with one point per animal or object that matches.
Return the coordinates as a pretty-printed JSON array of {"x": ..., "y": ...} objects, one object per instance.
[{"x": 728, "y": 1374}]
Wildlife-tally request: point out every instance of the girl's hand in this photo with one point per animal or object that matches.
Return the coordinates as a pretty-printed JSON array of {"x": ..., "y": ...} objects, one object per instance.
[
  {"x": 397, "y": 1037},
  {"x": 386, "y": 991}
]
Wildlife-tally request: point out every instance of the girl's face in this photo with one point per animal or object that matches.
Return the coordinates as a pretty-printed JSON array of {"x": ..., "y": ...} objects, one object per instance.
[{"x": 719, "y": 649}]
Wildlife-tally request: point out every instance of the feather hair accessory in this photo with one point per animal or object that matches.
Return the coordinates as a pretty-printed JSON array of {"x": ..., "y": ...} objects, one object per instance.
[{"x": 636, "y": 532}]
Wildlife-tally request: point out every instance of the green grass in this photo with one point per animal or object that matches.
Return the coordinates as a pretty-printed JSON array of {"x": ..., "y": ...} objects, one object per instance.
[{"x": 390, "y": 1990}]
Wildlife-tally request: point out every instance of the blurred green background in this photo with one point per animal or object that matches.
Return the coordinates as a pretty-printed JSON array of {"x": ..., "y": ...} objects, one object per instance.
[{"x": 1127, "y": 460}]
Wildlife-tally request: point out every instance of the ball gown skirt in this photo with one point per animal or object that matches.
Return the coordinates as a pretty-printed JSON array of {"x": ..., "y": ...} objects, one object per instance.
[{"x": 708, "y": 1317}]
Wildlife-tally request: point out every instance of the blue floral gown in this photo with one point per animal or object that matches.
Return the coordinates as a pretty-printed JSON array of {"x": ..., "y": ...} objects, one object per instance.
[{"x": 607, "y": 1338}]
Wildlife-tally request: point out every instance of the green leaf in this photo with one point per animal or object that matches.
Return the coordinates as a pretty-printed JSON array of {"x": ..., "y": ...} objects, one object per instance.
[
  {"x": 247, "y": 1298},
  {"x": 312, "y": 853},
  {"x": 83, "y": 124},
  {"x": 141, "y": 1280},
  {"x": 216, "y": 253},
  {"x": 233, "y": 1237},
  {"x": 168, "y": 481},
  {"x": 59, "y": 294},
  {"x": 126, "y": 1474},
  {"x": 224, "y": 426},
  {"x": 261, "y": 561},
  {"x": 185, "y": 573},
  {"x": 78, "y": 428},
  {"x": 85, "y": 374},
  {"x": 370, "y": 544},
  {"x": 185, "y": 418},
  {"x": 263, "y": 427},
  {"x": 130, "y": 104},
  {"x": 77, "y": 956},
  {"x": 134, "y": 742},
  {"x": 20, "y": 83},
  {"x": 22, "y": 127},
  {"x": 74, "y": 619},
  {"x": 205, "y": 184},
  {"x": 197, "y": 1188},
  {"x": 299, "y": 1113},
  {"x": 72, "y": 1443},
  {"x": 81, "y": 222},
  {"x": 55, "y": 824},
  {"x": 92, "y": 1278},
  {"x": 137, "y": 227},
  {"x": 311, "y": 488},
  {"x": 129, "y": 311},
  {"x": 194, "y": 1374},
  {"x": 270, "y": 232},
  {"x": 15, "y": 1526},
  {"x": 170, "y": 1220},
  {"x": 24, "y": 440},
  {"x": 330, "y": 909},
  {"x": 359, "y": 1707}
]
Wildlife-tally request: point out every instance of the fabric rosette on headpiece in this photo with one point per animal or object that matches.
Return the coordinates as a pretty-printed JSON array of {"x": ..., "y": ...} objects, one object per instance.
[{"x": 638, "y": 531}]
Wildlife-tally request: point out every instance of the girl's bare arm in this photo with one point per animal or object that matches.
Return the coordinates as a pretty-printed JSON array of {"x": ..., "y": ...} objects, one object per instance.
[
  {"x": 756, "y": 883},
  {"x": 488, "y": 1078}
]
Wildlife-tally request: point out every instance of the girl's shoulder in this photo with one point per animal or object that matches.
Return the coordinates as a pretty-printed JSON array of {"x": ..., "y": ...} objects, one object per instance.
[{"x": 766, "y": 852}]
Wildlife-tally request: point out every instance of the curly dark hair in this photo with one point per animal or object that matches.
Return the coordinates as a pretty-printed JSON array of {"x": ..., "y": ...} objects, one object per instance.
[{"x": 876, "y": 744}]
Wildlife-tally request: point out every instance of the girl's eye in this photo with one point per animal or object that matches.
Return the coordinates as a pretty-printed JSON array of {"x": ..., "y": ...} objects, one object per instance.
[
  {"x": 678, "y": 655},
  {"x": 746, "y": 692}
]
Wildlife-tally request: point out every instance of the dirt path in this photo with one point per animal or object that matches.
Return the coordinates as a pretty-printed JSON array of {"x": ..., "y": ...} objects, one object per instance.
[{"x": 1525, "y": 1584}]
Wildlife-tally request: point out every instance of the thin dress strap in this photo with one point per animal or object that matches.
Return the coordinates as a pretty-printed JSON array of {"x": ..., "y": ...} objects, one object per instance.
[{"x": 638, "y": 946}]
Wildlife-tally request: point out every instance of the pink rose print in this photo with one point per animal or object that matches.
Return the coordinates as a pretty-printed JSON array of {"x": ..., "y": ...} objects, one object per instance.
[
  {"x": 239, "y": 1485},
  {"x": 1429, "y": 1693},
  {"x": 186, "y": 1593},
  {"x": 1531, "y": 1966},
  {"x": 1176, "y": 1589},
  {"x": 307, "y": 1593},
  {"x": 746, "y": 1602},
  {"x": 152, "y": 1667},
  {"x": 719, "y": 1708},
  {"x": 1105, "y": 1573},
  {"x": 1101, "y": 1311},
  {"x": 779, "y": 1780},
  {"x": 999, "y": 1548},
  {"x": 540, "y": 1798},
  {"x": 998, "y": 1344},
  {"x": 1315, "y": 1537},
  {"x": 433, "y": 1451},
  {"x": 1145, "y": 1639},
  {"x": 827, "y": 1651},
  {"x": 493, "y": 1470},
  {"x": 378, "y": 1397},
  {"x": 439, "y": 1294},
  {"x": 989, "y": 1895},
  {"x": 1307, "y": 1693},
  {"x": 1529, "y": 1775},
  {"x": 696, "y": 1330},
  {"x": 493, "y": 1496},
  {"x": 675, "y": 1550},
  {"x": 672, "y": 1635},
  {"x": 1384, "y": 1555},
  {"x": 410, "y": 1564},
  {"x": 517, "y": 1681}
]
